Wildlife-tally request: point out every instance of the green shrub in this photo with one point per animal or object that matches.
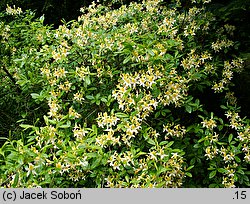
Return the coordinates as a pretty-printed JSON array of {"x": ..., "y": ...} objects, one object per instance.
[
  {"x": 56, "y": 10},
  {"x": 124, "y": 90},
  {"x": 237, "y": 12},
  {"x": 20, "y": 69}
]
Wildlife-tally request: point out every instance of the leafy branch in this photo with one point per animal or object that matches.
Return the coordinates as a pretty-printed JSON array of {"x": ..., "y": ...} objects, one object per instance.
[{"x": 12, "y": 79}]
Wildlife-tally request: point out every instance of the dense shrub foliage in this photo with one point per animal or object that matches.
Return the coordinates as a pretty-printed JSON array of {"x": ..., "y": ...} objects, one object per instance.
[
  {"x": 123, "y": 94},
  {"x": 237, "y": 12},
  {"x": 57, "y": 10},
  {"x": 18, "y": 45}
]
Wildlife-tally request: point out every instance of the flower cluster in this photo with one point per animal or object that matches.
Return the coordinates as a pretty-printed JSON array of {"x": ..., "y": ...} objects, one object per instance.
[
  {"x": 5, "y": 32},
  {"x": 211, "y": 152},
  {"x": 210, "y": 124},
  {"x": 227, "y": 74},
  {"x": 232, "y": 100},
  {"x": 227, "y": 155},
  {"x": 143, "y": 102},
  {"x": 174, "y": 92},
  {"x": 108, "y": 139},
  {"x": 229, "y": 178},
  {"x": 104, "y": 120},
  {"x": 194, "y": 60},
  {"x": 60, "y": 53},
  {"x": 235, "y": 120},
  {"x": 79, "y": 132},
  {"x": 14, "y": 10},
  {"x": 54, "y": 107},
  {"x": 142, "y": 178},
  {"x": 173, "y": 130},
  {"x": 168, "y": 26},
  {"x": 221, "y": 44},
  {"x": 82, "y": 72}
]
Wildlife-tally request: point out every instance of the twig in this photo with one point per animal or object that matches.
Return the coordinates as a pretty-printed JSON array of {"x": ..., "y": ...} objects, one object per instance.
[{"x": 12, "y": 79}]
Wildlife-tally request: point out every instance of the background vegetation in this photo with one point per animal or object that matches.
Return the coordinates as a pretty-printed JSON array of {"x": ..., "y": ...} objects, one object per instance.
[{"x": 74, "y": 109}]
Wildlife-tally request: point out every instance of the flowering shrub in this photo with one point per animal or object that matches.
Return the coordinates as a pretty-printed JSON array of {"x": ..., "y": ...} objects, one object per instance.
[{"x": 124, "y": 89}]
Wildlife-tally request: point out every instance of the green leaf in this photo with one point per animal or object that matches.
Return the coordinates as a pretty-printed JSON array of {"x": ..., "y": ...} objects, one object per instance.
[
  {"x": 196, "y": 146},
  {"x": 121, "y": 115},
  {"x": 35, "y": 95},
  {"x": 246, "y": 178},
  {"x": 87, "y": 80},
  {"x": 221, "y": 143},
  {"x": 220, "y": 127},
  {"x": 188, "y": 108},
  {"x": 197, "y": 102},
  {"x": 90, "y": 97},
  {"x": 163, "y": 113},
  {"x": 221, "y": 121},
  {"x": 230, "y": 138},
  {"x": 169, "y": 144},
  {"x": 96, "y": 162},
  {"x": 150, "y": 141},
  {"x": 26, "y": 126},
  {"x": 190, "y": 128},
  {"x": 127, "y": 178},
  {"x": 20, "y": 160},
  {"x": 46, "y": 120},
  {"x": 213, "y": 185},
  {"x": 237, "y": 159},
  {"x": 16, "y": 179},
  {"x": 90, "y": 154},
  {"x": 64, "y": 126},
  {"x": 140, "y": 153},
  {"x": 92, "y": 89},
  {"x": 201, "y": 140},
  {"x": 206, "y": 143},
  {"x": 188, "y": 174},
  {"x": 240, "y": 171},
  {"x": 193, "y": 161},
  {"x": 189, "y": 168},
  {"x": 104, "y": 100},
  {"x": 210, "y": 168},
  {"x": 128, "y": 45},
  {"x": 157, "y": 114},
  {"x": 212, "y": 174},
  {"x": 167, "y": 111},
  {"x": 163, "y": 143},
  {"x": 221, "y": 170},
  {"x": 126, "y": 59},
  {"x": 151, "y": 52}
]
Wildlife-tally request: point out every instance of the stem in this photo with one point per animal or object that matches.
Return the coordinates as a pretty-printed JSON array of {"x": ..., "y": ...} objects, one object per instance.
[{"x": 12, "y": 79}]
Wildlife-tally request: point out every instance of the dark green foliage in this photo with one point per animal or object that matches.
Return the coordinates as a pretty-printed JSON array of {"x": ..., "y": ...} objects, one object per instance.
[
  {"x": 237, "y": 12},
  {"x": 16, "y": 104},
  {"x": 56, "y": 10},
  {"x": 134, "y": 97}
]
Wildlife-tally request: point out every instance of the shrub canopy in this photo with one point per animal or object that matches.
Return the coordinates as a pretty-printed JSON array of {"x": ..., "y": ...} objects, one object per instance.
[{"x": 123, "y": 93}]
